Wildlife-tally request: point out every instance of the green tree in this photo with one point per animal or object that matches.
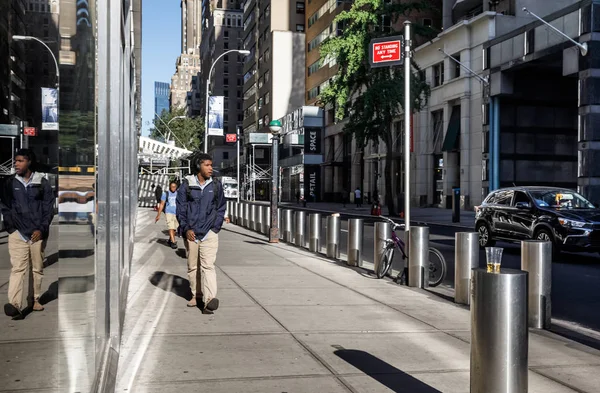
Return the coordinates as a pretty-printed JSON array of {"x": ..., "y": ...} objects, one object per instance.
[
  {"x": 187, "y": 132},
  {"x": 371, "y": 98}
]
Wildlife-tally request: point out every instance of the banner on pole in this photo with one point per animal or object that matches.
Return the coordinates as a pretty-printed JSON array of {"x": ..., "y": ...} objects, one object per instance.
[
  {"x": 215, "y": 115},
  {"x": 49, "y": 108}
]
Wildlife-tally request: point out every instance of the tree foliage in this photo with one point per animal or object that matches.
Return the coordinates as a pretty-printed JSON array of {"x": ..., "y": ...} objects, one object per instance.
[
  {"x": 187, "y": 132},
  {"x": 371, "y": 98}
]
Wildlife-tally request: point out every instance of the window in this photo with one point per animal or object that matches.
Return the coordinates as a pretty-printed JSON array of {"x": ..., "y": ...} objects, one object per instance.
[
  {"x": 225, "y": 81},
  {"x": 520, "y": 196},
  {"x": 226, "y": 34},
  {"x": 266, "y": 76},
  {"x": 455, "y": 66},
  {"x": 267, "y": 98},
  {"x": 300, "y": 28},
  {"x": 529, "y": 41},
  {"x": 226, "y": 155},
  {"x": 299, "y": 7},
  {"x": 427, "y": 22},
  {"x": 226, "y": 45},
  {"x": 438, "y": 74},
  {"x": 486, "y": 58},
  {"x": 503, "y": 198},
  {"x": 314, "y": 67},
  {"x": 226, "y": 58},
  {"x": 437, "y": 120},
  {"x": 226, "y": 93}
]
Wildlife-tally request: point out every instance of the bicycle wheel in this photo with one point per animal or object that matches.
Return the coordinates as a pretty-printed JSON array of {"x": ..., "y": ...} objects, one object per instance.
[
  {"x": 437, "y": 267},
  {"x": 386, "y": 262}
]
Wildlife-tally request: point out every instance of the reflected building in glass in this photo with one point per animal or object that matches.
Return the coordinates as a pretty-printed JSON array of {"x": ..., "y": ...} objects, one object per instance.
[{"x": 91, "y": 161}]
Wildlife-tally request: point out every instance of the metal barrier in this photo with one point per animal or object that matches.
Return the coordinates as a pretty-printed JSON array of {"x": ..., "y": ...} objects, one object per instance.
[
  {"x": 466, "y": 257},
  {"x": 333, "y": 236},
  {"x": 418, "y": 258},
  {"x": 266, "y": 220},
  {"x": 287, "y": 221},
  {"x": 279, "y": 220},
  {"x": 536, "y": 259},
  {"x": 299, "y": 228},
  {"x": 246, "y": 214},
  {"x": 259, "y": 218},
  {"x": 499, "y": 336},
  {"x": 252, "y": 223},
  {"x": 382, "y": 232},
  {"x": 355, "y": 241},
  {"x": 314, "y": 232},
  {"x": 228, "y": 209}
]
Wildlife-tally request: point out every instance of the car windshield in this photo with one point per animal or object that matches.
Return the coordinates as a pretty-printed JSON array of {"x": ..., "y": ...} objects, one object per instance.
[{"x": 565, "y": 199}]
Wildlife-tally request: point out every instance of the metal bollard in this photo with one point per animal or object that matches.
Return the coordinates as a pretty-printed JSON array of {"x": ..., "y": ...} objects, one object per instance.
[
  {"x": 418, "y": 260},
  {"x": 259, "y": 218},
  {"x": 228, "y": 209},
  {"x": 355, "y": 241},
  {"x": 314, "y": 232},
  {"x": 252, "y": 222},
  {"x": 266, "y": 220},
  {"x": 333, "y": 237},
  {"x": 246, "y": 214},
  {"x": 279, "y": 220},
  {"x": 238, "y": 214},
  {"x": 383, "y": 231},
  {"x": 299, "y": 226},
  {"x": 536, "y": 259},
  {"x": 287, "y": 221},
  {"x": 499, "y": 335},
  {"x": 466, "y": 257}
]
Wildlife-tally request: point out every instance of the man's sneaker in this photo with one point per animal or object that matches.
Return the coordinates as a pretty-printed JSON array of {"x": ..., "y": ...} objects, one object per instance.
[
  {"x": 212, "y": 305},
  {"x": 37, "y": 306},
  {"x": 192, "y": 303},
  {"x": 173, "y": 245},
  {"x": 12, "y": 311}
]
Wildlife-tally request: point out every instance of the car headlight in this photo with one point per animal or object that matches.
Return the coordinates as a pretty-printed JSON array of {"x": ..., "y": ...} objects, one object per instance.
[{"x": 570, "y": 223}]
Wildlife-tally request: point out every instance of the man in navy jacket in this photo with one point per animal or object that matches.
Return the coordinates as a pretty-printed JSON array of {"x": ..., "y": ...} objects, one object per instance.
[
  {"x": 27, "y": 204},
  {"x": 200, "y": 212}
]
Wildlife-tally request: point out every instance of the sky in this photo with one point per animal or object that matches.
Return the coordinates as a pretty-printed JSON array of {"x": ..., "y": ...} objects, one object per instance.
[{"x": 161, "y": 44}]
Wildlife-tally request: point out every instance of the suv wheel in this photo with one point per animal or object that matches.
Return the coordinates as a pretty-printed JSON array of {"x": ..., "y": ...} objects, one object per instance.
[
  {"x": 485, "y": 235},
  {"x": 546, "y": 235}
]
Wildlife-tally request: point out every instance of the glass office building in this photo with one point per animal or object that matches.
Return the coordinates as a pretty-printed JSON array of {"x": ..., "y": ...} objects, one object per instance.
[
  {"x": 161, "y": 97},
  {"x": 91, "y": 161}
]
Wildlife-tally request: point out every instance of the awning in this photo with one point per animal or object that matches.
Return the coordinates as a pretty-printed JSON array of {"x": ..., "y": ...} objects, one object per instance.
[{"x": 451, "y": 139}]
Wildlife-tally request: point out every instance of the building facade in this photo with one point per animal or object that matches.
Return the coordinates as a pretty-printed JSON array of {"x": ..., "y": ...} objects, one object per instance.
[
  {"x": 161, "y": 98},
  {"x": 223, "y": 32},
  {"x": 186, "y": 67},
  {"x": 273, "y": 74},
  {"x": 528, "y": 101}
]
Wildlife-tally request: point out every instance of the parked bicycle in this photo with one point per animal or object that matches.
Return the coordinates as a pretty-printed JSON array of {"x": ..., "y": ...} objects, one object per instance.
[{"x": 437, "y": 263}]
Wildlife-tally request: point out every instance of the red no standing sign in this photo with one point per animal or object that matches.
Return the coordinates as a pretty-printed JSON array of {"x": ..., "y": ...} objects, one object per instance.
[{"x": 386, "y": 52}]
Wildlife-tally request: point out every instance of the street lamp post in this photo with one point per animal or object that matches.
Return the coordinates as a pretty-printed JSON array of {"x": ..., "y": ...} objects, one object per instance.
[
  {"x": 240, "y": 51},
  {"x": 31, "y": 38},
  {"x": 169, "y": 122},
  {"x": 275, "y": 127}
]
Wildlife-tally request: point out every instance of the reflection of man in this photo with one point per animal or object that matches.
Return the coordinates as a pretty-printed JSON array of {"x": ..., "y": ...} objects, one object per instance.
[{"x": 27, "y": 206}]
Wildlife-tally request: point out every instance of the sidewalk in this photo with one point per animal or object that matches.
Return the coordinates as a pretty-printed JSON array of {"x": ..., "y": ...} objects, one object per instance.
[{"x": 293, "y": 322}]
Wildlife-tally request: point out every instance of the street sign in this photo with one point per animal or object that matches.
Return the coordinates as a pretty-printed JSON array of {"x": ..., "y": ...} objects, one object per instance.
[
  {"x": 387, "y": 51},
  {"x": 9, "y": 130},
  {"x": 230, "y": 138},
  {"x": 30, "y": 131}
]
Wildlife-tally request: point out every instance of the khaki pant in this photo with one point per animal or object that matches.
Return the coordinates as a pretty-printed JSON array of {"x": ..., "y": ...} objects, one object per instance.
[
  {"x": 206, "y": 252},
  {"x": 22, "y": 254},
  {"x": 172, "y": 223}
]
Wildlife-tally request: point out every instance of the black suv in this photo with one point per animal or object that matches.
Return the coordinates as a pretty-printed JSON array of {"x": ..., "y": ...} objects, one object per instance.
[{"x": 559, "y": 215}]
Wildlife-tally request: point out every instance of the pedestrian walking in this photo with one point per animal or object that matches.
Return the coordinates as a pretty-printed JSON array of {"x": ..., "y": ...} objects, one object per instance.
[
  {"x": 27, "y": 204},
  {"x": 358, "y": 197},
  {"x": 168, "y": 203},
  {"x": 200, "y": 211}
]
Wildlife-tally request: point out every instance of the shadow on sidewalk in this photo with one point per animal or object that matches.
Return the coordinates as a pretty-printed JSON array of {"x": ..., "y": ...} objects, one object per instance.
[
  {"x": 179, "y": 285},
  {"x": 384, "y": 373}
]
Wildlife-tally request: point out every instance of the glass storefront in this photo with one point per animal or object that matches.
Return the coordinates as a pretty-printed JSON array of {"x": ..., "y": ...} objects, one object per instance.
[{"x": 91, "y": 162}]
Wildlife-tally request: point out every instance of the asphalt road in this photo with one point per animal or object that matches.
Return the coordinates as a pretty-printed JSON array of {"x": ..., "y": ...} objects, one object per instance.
[{"x": 575, "y": 277}]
